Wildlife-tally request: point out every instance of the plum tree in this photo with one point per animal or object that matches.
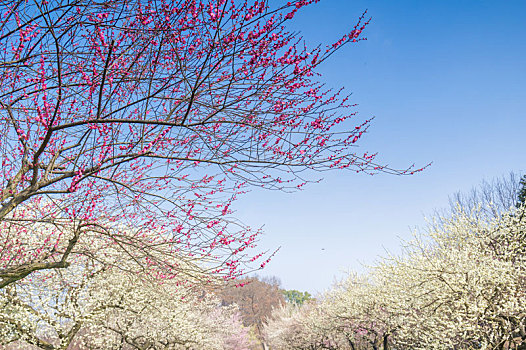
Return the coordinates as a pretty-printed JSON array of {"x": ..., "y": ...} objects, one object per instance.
[{"x": 137, "y": 124}]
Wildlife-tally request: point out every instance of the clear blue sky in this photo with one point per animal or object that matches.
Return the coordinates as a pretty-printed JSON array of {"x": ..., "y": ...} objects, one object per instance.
[{"x": 446, "y": 81}]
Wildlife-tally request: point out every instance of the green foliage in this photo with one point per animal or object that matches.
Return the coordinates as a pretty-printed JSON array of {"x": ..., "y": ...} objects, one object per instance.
[
  {"x": 521, "y": 196},
  {"x": 295, "y": 297}
]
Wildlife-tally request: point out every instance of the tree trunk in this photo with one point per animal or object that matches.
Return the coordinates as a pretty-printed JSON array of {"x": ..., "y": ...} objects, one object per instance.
[{"x": 351, "y": 344}]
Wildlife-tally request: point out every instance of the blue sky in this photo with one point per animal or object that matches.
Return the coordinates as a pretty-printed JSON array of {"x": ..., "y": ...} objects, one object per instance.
[{"x": 446, "y": 82}]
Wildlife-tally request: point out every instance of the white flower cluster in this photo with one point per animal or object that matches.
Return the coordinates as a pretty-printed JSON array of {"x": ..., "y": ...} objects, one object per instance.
[
  {"x": 81, "y": 309},
  {"x": 461, "y": 286}
]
